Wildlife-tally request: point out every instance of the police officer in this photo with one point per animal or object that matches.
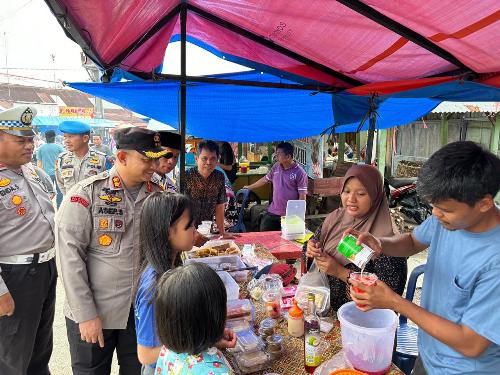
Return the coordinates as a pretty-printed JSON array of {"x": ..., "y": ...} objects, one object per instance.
[
  {"x": 97, "y": 244},
  {"x": 79, "y": 161},
  {"x": 28, "y": 270},
  {"x": 172, "y": 143}
]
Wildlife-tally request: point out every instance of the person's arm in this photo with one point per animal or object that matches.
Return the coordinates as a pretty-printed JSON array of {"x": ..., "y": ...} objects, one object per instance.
[
  {"x": 302, "y": 184},
  {"x": 148, "y": 355},
  {"x": 72, "y": 233},
  {"x": 460, "y": 337},
  {"x": 257, "y": 184},
  {"x": 59, "y": 180},
  {"x": 401, "y": 245},
  {"x": 7, "y": 304}
]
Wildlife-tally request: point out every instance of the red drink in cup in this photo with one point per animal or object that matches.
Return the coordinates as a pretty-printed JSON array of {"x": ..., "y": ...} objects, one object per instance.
[{"x": 365, "y": 278}]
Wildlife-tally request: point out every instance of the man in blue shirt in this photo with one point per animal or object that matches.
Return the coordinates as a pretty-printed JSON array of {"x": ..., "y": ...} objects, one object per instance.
[
  {"x": 46, "y": 157},
  {"x": 458, "y": 320}
]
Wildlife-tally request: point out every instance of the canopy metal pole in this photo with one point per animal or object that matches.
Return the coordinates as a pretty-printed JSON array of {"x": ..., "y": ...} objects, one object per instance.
[
  {"x": 369, "y": 142},
  {"x": 183, "y": 97}
]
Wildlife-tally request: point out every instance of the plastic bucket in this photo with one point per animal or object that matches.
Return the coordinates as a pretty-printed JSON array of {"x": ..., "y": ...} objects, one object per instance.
[{"x": 368, "y": 337}]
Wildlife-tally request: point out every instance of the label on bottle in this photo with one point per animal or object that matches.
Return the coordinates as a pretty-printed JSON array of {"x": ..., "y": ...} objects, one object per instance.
[{"x": 312, "y": 349}]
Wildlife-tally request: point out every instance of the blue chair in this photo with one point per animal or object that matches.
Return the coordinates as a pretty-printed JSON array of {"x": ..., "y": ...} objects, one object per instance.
[{"x": 407, "y": 335}]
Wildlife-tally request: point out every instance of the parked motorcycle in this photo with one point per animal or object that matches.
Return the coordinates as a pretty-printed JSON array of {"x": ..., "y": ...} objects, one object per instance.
[{"x": 402, "y": 192}]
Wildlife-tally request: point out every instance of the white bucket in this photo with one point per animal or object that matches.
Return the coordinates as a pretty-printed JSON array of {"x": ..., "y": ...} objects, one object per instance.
[{"x": 368, "y": 337}]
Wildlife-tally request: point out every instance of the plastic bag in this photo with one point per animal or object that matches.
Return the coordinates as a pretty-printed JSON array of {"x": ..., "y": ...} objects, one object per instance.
[
  {"x": 315, "y": 282},
  {"x": 314, "y": 278}
]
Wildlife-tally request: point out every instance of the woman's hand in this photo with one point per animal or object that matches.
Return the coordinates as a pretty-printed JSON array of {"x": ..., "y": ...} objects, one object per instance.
[
  {"x": 378, "y": 296},
  {"x": 367, "y": 239},
  {"x": 313, "y": 249},
  {"x": 328, "y": 265},
  {"x": 228, "y": 340}
]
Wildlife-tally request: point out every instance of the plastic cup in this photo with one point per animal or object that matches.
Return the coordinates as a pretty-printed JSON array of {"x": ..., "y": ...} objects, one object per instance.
[
  {"x": 368, "y": 279},
  {"x": 206, "y": 223}
]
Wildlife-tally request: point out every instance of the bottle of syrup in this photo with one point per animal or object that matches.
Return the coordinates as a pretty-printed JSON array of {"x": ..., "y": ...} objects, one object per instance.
[{"x": 312, "y": 337}]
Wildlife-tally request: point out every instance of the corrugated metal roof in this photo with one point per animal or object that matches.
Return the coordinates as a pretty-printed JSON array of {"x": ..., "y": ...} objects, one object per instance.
[{"x": 465, "y": 107}]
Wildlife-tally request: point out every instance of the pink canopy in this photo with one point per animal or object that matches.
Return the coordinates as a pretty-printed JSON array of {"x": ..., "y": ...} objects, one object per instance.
[{"x": 338, "y": 43}]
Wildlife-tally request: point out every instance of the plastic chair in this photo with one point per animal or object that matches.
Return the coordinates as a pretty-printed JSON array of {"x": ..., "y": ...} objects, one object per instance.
[{"x": 407, "y": 335}]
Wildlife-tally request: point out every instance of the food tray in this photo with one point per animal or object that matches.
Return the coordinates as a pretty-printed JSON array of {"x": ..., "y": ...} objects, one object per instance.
[
  {"x": 218, "y": 263},
  {"x": 232, "y": 287},
  {"x": 240, "y": 309},
  {"x": 214, "y": 248}
]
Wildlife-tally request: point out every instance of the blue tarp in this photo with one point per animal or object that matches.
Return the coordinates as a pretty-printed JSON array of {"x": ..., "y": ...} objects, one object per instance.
[{"x": 250, "y": 114}]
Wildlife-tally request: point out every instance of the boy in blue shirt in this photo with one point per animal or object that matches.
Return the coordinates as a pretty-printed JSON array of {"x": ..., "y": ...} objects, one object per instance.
[{"x": 458, "y": 320}]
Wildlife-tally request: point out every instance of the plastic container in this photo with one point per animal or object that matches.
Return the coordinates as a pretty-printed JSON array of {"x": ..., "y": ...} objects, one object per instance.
[
  {"x": 293, "y": 225},
  {"x": 274, "y": 346},
  {"x": 232, "y": 287},
  {"x": 222, "y": 263},
  {"x": 240, "y": 309},
  {"x": 238, "y": 325},
  {"x": 252, "y": 361},
  {"x": 321, "y": 298},
  {"x": 273, "y": 303},
  {"x": 368, "y": 337},
  {"x": 249, "y": 341},
  {"x": 266, "y": 328},
  {"x": 357, "y": 254}
]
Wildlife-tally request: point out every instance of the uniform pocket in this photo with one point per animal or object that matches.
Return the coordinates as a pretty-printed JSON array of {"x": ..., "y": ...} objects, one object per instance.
[{"x": 458, "y": 299}]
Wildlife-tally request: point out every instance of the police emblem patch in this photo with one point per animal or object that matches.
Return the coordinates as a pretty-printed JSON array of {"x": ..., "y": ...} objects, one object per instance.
[
  {"x": 27, "y": 116},
  {"x": 110, "y": 199},
  {"x": 21, "y": 211},
  {"x": 17, "y": 200},
  {"x": 117, "y": 183},
  {"x": 103, "y": 223},
  {"x": 157, "y": 140},
  {"x": 105, "y": 240},
  {"x": 94, "y": 161},
  {"x": 4, "y": 182},
  {"x": 118, "y": 224},
  {"x": 77, "y": 199}
]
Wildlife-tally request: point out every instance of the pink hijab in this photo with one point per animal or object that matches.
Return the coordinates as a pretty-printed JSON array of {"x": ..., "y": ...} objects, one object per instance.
[{"x": 377, "y": 221}]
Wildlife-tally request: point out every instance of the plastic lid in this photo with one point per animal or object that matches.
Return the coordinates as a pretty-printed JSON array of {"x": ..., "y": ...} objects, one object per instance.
[
  {"x": 275, "y": 339},
  {"x": 295, "y": 311},
  {"x": 248, "y": 340},
  {"x": 268, "y": 323}
]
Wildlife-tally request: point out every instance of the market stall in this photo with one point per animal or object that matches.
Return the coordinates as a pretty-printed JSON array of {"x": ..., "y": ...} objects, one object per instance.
[{"x": 265, "y": 343}]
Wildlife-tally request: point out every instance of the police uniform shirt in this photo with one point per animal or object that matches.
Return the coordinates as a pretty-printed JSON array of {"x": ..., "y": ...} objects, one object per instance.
[
  {"x": 70, "y": 169},
  {"x": 97, "y": 244},
  {"x": 27, "y": 213},
  {"x": 165, "y": 182}
]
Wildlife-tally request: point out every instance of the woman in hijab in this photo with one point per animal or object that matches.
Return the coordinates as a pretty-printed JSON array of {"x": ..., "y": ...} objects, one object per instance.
[{"x": 365, "y": 208}]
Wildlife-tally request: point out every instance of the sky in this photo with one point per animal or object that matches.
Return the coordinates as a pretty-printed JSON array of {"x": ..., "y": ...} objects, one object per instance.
[{"x": 35, "y": 51}]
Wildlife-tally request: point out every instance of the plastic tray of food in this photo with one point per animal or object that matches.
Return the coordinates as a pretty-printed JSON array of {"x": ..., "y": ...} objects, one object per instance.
[
  {"x": 249, "y": 362},
  {"x": 240, "y": 309},
  {"x": 238, "y": 325},
  {"x": 232, "y": 287},
  {"x": 223, "y": 263},
  {"x": 321, "y": 297},
  {"x": 214, "y": 248}
]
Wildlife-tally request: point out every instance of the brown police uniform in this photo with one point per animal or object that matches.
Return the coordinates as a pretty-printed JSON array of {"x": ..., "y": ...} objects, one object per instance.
[
  {"x": 27, "y": 265},
  {"x": 97, "y": 242},
  {"x": 70, "y": 169}
]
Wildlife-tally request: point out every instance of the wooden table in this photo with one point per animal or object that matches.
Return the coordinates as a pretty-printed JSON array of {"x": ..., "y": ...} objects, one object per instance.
[{"x": 282, "y": 249}]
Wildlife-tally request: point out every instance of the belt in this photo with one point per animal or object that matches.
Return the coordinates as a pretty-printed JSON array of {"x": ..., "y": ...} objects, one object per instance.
[{"x": 28, "y": 259}]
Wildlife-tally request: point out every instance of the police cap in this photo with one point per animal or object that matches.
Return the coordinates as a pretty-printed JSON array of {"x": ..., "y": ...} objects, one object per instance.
[
  {"x": 145, "y": 141},
  {"x": 17, "y": 121},
  {"x": 171, "y": 140},
  {"x": 74, "y": 127}
]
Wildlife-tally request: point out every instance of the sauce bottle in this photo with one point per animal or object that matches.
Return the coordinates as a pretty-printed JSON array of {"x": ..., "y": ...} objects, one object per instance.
[
  {"x": 295, "y": 320},
  {"x": 312, "y": 338}
]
